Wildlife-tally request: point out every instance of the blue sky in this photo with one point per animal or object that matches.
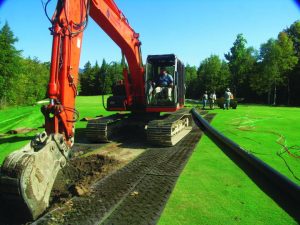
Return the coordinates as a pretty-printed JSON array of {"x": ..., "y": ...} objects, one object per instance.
[{"x": 192, "y": 29}]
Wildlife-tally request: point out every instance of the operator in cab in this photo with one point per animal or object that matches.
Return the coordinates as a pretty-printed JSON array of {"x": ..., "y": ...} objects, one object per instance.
[{"x": 164, "y": 84}]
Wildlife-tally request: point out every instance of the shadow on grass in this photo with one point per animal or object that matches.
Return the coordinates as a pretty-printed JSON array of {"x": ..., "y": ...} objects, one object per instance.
[
  {"x": 285, "y": 202},
  {"x": 13, "y": 139},
  {"x": 126, "y": 138}
]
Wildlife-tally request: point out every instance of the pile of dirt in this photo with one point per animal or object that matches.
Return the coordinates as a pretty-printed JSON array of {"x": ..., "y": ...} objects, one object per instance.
[
  {"x": 76, "y": 178},
  {"x": 89, "y": 164}
]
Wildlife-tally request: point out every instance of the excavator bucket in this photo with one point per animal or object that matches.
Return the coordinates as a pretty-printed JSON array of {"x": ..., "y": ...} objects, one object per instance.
[{"x": 27, "y": 175}]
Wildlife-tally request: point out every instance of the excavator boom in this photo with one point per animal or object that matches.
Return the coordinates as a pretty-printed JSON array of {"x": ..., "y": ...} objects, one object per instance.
[{"x": 27, "y": 175}]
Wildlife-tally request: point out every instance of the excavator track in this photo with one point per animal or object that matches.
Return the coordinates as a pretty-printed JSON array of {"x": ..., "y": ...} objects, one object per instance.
[
  {"x": 102, "y": 129},
  {"x": 165, "y": 131},
  {"x": 170, "y": 130}
]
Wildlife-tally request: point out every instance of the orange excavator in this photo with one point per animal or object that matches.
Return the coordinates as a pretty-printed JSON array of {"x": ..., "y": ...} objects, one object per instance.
[{"x": 27, "y": 175}]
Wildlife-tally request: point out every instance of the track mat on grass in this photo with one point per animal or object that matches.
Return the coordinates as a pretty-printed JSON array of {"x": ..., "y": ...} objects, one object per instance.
[{"x": 136, "y": 194}]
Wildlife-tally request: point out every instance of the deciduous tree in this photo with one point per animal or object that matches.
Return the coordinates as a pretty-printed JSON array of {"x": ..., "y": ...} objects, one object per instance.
[
  {"x": 214, "y": 74},
  {"x": 191, "y": 81},
  {"x": 287, "y": 59},
  {"x": 241, "y": 61},
  {"x": 294, "y": 76},
  {"x": 277, "y": 59}
]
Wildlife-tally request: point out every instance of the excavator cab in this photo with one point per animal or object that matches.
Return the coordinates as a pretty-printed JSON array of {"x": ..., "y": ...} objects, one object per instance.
[{"x": 169, "y": 96}]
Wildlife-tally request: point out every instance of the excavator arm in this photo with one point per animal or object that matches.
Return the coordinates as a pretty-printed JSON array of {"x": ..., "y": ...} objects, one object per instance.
[
  {"x": 27, "y": 175},
  {"x": 69, "y": 22}
]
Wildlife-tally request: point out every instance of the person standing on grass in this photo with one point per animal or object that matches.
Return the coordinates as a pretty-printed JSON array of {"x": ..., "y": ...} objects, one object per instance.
[
  {"x": 212, "y": 99},
  {"x": 227, "y": 97},
  {"x": 204, "y": 99}
]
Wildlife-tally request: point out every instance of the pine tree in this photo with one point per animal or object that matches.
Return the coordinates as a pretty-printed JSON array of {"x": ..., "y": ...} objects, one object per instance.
[
  {"x": 85, "y": 79},
  {"x": 9, "y": 66}
]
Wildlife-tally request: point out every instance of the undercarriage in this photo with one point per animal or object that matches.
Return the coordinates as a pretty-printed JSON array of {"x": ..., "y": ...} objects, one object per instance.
[{"x": 165, "y": 130}]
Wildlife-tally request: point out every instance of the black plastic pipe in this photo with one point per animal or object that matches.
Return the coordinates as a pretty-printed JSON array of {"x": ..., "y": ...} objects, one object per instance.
[{"x": 286, "y": 186}]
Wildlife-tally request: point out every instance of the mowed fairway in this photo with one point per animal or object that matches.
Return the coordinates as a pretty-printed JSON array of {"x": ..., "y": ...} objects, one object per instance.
[
  {"x": 211, "y": 189},
  {"x": 16, "y": 117},
  {"x": 31, "y": 117}
]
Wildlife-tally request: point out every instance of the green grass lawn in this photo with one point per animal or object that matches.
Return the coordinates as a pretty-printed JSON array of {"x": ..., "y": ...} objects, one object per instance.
[
  {"x": 16, "y": 117},
  {"x": 213, "y": 190},
  {"x": 31, "y": 117},
  {"x": 266, "y": 132}
]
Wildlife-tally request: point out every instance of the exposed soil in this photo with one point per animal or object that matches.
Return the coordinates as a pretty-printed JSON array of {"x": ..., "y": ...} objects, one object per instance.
[
  {"x": 76, "y": 178},
  {"x": 88, "y": 166}
]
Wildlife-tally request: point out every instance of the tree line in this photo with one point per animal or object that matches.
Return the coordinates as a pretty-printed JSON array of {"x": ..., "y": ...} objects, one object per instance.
[
  {"x": 23, "y": 81},
  {"x": 269, "y": 75},
  {"x": 99, "y": 80}
]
